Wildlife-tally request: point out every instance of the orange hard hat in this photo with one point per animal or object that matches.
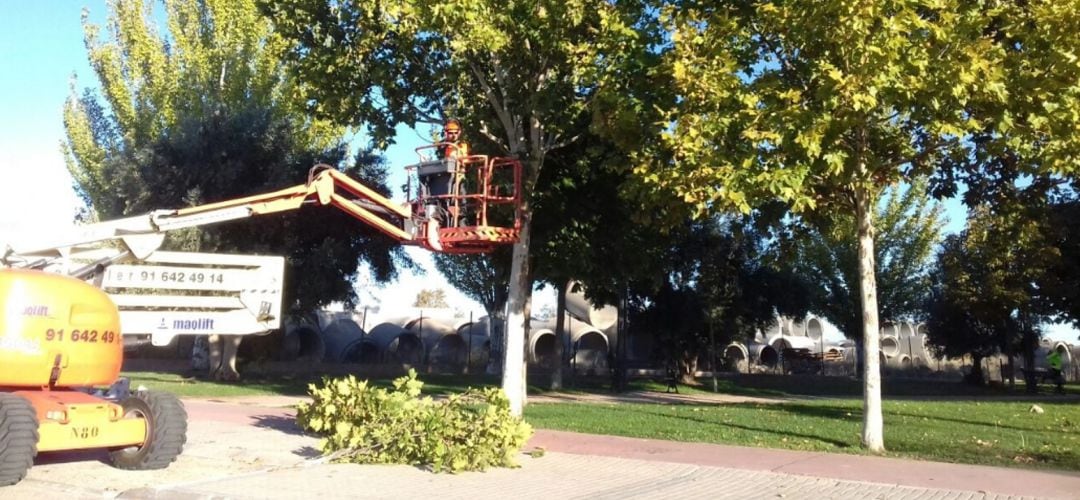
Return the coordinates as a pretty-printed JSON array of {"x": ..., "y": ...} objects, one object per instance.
[{"x": 452, "y": 124}]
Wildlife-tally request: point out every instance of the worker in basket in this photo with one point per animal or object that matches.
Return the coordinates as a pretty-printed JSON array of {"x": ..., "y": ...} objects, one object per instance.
[{"x": 451, "y": 151}]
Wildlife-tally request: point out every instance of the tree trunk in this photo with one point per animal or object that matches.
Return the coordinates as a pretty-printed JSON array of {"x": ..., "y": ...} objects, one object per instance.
[
  {"x": 513, "y": 370},
  {"x": 1030, "y": 342},
  {"x": 223, "y": 350},
  {"x": 561, "y": 337},
  {"x": 689, "y": 368},
  {"x": 873, "y": 425},
  {"x": 975, "y": 376},
  {"x": 200, "y": 354}
]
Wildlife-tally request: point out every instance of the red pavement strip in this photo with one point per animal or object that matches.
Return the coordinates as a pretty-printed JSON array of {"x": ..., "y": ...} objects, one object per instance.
[
  {"x": 915, "y": 473},
  {"x": 903, "y": 472}
]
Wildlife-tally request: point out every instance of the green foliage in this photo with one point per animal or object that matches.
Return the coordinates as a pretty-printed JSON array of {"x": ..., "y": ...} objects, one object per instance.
[
  {"x": 431, "y": 298},
  {"x": 587, "y": 216},
  {"x": 205, "y": 111},
  {"x": 719, "y": 275},
  {"x": 823, "y": 251},
  {"x": 520, "y": 73},
  {"x": 986, "y": 295},
  {"x": 360, "y": 423},
  {"x": 820, "y": 104},
  {"x": 212, "y": 54},
  {"x": 1061, "y": 285},
  {"x": 483, "y": 277}
]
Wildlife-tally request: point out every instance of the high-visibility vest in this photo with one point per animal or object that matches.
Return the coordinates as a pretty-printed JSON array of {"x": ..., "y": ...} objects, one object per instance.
[
  {"x": 453, "y": 150},
  {"x": 1054, "y": 359}
]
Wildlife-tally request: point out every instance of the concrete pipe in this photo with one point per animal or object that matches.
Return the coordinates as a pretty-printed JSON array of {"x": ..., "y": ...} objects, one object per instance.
[
  {"x": 467, "y": 328},
  {"x": 790, "y": 342},
  {"x": 915, "y": 346},
  {"x": 797, "y": 327},
  {"x": 889, "y": 330},
  {"x": 491, "y": 327},
  {"x": 401, "y": 321},
  {"x": 773, "y": 330},
  {"x": 590, "y": 349},
  {"x": 1063, "y": 348},
  {"x": 764, "y": 354},
  {"x": 343, "y": 339},
  {"x": 905, "y": 336},
  {"x": 449, "y": 352},
  {"x": 814, "y": 329},
  {"x": 890, "y": 346},
  {"x": 542, "y": 347},
  {"x": 397, "y": 344},
  {"x": 302, "y": 342},
  {"x": 445, "y": 348},
  {"x": 903, "y": 362},
  {"x": 736, "y": 357},
  {"x": 476, "y": 339},
  {"x": 906, "y": 330},
  {"x": 481, "y": 353},
  {"x": 601, "y": 318},
  {"x": 850, "y": 353}
]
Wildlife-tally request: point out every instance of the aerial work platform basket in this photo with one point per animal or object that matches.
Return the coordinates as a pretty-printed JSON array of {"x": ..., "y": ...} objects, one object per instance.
[{"x": 475, "y": 200}]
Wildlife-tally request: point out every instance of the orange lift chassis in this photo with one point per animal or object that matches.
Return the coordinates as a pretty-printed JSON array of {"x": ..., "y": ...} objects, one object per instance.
[{"x": 61, "y": 347}]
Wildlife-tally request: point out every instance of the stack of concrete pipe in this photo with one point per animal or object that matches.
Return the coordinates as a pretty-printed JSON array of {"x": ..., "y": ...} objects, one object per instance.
[
  {"x": 591, "y": 334},
  {"x": 903, "y": 346},
  {"x": 474, "y": 334},
  {"x": 338, "y": 337},
  {"x": 396, "y": 344},
  {"x": 302, "y": 341},
  {"x": 346, "y": 342},
  {"x": 764, "y": 351}
]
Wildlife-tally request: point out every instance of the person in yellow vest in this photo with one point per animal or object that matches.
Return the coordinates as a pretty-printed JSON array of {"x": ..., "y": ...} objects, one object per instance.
[
  {"x": 452, "y": 146},
  {"x": 451, "y": 151},
  {"x": 1053, "y": 360}
]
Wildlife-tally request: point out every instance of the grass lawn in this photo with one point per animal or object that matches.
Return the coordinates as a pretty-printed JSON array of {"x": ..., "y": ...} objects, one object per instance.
[
  {"x": 974, "y": 430},
  {"x": 184, "y": 386},
  {"x": 286, "y": 385},
  {"x": 987, "y": 432}
]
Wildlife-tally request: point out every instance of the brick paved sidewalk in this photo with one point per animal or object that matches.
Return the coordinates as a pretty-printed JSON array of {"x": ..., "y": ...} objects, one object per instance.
[{"x": 253, "y": 450}]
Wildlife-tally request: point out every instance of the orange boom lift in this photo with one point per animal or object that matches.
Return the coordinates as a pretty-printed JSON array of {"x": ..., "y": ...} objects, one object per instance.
[{"x": 61, "y": 348}]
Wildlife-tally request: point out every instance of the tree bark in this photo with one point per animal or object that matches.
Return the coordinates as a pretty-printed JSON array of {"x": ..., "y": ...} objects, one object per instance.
[
  {"x": 873, "y": 425},
  {"x": 513, "y": 370},
  {"x": 561, "y": 336},
  {"x": 223, "y": 349},
  {"x": 976, "y": 376},
  {"x": 1030, "y": 342}
]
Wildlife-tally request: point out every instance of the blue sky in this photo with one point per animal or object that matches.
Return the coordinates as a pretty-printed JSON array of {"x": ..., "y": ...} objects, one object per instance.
[{"x": 41, "y": 51}]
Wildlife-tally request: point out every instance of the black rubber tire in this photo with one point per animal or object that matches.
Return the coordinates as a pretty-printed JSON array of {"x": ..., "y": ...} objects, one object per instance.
[
  {"x": 18, "y": 438},
  {"x": 166, "y": 431}
]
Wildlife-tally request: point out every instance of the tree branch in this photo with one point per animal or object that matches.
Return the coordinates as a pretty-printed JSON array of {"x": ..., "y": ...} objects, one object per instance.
[{"x": 501, "y": 111}]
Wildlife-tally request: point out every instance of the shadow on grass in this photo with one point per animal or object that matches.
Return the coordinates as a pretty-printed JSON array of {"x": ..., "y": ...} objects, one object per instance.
[
  {"x": 797, "y": 410},
  {"x": 982, "y": 423}
]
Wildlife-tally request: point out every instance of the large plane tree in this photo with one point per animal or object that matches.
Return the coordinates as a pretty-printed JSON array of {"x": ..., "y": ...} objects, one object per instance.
[
  {"x": 521, "y": 75},
  {"x": 821, "y": 104}
]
